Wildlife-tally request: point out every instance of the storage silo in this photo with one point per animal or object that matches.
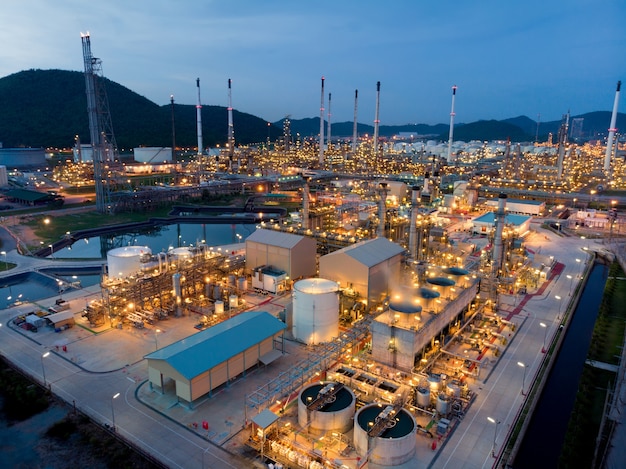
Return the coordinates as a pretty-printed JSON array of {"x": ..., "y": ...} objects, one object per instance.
[
  {"x": 386, "y": 435},
  {"x": 326, "y": 407},
  {"x": 125, "y": 261},
  {"x": 315, "y": 310}
]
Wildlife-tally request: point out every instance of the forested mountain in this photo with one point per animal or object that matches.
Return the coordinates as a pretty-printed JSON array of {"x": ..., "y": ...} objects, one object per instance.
[{"x": 48, "y": 108}]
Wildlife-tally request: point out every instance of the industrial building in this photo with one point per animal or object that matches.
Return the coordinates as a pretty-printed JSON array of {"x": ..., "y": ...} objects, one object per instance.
[
  {"x": 521, "y": 206},
  {"x": 210, "y": 358},
  {"x": 21, "y": 158},
  {"x": 486, "y": 223},
  {"x": 293, "y": 254},
  {"x": 369, "y": 268}
]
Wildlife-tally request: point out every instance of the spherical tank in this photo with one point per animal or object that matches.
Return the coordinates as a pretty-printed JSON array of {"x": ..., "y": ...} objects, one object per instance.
[
  {"x": 388, "y": 445},
  {"x": 125, "y": 261},
  {"x": 315, "y": 310},
  {"x": 335, "y": 415}
]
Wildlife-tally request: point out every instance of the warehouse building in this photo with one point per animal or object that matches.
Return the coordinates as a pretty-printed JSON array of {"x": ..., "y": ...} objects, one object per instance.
[
  {"x": 208, "y": 359},
  {"x": 293, "y": 254},
  {"x": 369, "y": 268}
]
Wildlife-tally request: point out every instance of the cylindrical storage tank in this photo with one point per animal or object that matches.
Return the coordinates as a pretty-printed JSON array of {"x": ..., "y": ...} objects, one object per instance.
[
  {"x": 423, "y": 396},
  {"x": 176, "y": 284},
  {"x": 434, "y": 382},
  {"x": 219, "y": 307},
  {"x": 407, "y": 312},
  {"x": 453, "y": 390},
  {"x": 427, "y": 297},
  {"x": 336, "y": 415},
  {"x": 242, "y": 284},
  {"x": 233, "y": 301},
  {"x": 208, "y": 291},
  {"x": 217, "y": 292},
  {"x": 231, "y": 280},
  {"x": 393, "y": 445},
  {"x": 444, "y": 284},
  {"x": 125, "y": 261},
  {"x": 442, "y": 403},
  {"x": 180, "y": 253},
  {"x": 459, "y": 275},
  {"x": 315, "y": 310}
]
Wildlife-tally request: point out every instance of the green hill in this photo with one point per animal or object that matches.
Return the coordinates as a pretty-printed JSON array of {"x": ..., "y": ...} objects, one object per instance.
[{"x": 48, "y": 108}]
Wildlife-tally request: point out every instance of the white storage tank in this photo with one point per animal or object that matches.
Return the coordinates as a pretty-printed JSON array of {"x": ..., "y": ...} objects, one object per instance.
[
  {"x": 388, "y": 445},
  {"x": 335, "y": 415},
  {"x": 219, "y": 307},
  {"x": 180, "y": 254},
  {"x": 315, "y": 310},
  {"x": 442, "y": 403},
  {"x": 423, "y": 396},
  {"x": 125, "y": 261}
]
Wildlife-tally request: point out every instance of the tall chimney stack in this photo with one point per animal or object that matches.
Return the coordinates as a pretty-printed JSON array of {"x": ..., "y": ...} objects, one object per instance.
[
  {"x": 199, "y": 118},
  {"x": 376, "y": 120},
  {"x": 354, "y": 127},
  {"x": 452, "y": 114},
  {"x": 321, "y": 158},
  {"x": 612, "y": 130}
]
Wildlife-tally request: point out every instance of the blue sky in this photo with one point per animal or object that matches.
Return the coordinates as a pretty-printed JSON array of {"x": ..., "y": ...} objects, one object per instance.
[{"x": 508, "y": 58}]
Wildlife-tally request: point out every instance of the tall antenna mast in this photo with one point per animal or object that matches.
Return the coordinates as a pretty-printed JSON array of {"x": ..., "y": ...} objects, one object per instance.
[{"x": 100, "y": 126}]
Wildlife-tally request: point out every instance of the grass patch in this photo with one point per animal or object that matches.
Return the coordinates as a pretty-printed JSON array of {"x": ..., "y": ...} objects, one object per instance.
[{"x": 21, "y": 399}]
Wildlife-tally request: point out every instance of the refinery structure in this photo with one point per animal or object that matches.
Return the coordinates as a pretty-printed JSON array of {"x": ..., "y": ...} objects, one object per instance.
[{"x": 396, "y": 273}]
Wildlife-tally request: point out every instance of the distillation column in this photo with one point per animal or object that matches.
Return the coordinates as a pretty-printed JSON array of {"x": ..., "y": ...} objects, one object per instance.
[
  {"x": 498, "y": 242},
  {"x": 382, "y": 209},
  {"x": 413, "y": 228}
]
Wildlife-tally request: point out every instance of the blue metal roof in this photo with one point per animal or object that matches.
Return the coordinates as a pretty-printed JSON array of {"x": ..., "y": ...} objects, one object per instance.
[
  {"x": 510, "y": 218},
  {"x": 206, "y": 349}
]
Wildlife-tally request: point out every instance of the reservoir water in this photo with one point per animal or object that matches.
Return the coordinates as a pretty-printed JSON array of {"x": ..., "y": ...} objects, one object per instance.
[
  {"x": 544, "y": 438},
  {"x": 35, "y": 286}
]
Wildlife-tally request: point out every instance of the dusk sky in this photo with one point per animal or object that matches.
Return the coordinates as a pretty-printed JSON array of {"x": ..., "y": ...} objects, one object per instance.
[{"x": 507, "y": 58}]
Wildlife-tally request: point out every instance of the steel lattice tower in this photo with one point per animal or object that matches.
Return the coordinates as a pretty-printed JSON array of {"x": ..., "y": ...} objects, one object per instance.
[{"x": 100, "y": 127}]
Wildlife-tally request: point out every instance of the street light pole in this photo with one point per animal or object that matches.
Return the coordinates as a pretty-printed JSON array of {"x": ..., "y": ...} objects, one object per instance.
[
  {"x": 115, "y": 396},
  {"x": 156, "y": 338},
  {"x": 495, "y": 435},
  {"x": 560, "y": 306},
  {"x": 545, "y": 333},
  {"x": 43, "y": 368},
  {"x": 523, "y": 365}
]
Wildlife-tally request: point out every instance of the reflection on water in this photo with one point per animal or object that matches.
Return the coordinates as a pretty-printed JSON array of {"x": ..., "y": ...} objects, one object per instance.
[{"x": 159, "y": 239}]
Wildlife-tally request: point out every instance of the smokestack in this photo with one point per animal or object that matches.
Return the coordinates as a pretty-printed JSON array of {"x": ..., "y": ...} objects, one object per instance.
[
  {"x": 231, "y": 129},
  {"x": 382, "y": 209},
  {"x": 328, "y": 139},
  {"x": 354, "y": 127},
  {"x": 450, "y": 158},
  {"x": 413, "y": 227},
  {"x": 173, "y": 130},
  {"x": 376, "y": 120},
  {"x": 562, "y": 143},
  {"x": 498, "y": 244},
  {"x": 305, "y": 203},
  {"x": 199, "y": 118},
  {"x": 321, "y": 159},
  {"x": 612, "y": 130}
]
